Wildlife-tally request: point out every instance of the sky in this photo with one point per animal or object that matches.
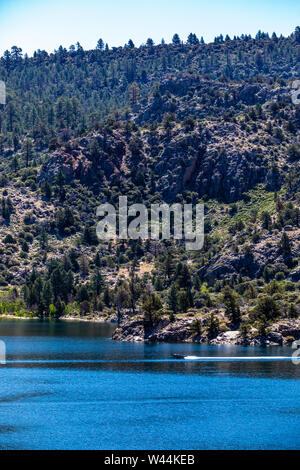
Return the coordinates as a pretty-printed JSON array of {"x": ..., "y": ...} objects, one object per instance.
[{"x": 47, "y": 24}]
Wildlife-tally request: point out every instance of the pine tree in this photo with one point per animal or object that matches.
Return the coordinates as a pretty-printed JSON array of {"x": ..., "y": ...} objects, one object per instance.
[
  {"x": 184, "y": 277},
  {"x": 149, "y": 42},
  {"x": 100, "y": 45},
  {"x": 231, "y": 304},
  {"x": 97, "y": 281},
  {"x": 56, "y": 280},
  {"x": 197, "y": 283},
  {"x": 28, "y": 151},
  {"x": 183, "y": 301},
  {"x": 60, "y": 308},
  {"x": 97, "y": 260},
  {"x": 285, "y": 244},
  {"x": 47, "y": 295},
  {"x": 43, "y": 239},
  {"x": 151, "y": 307},
  {"x": 176, "y": 40},
  {"x": 89, "y": 235},
  {"x": 133, "y": 286},
  {"x": 47, "y": 190},
  {"x": 122, "y": 299},
  {"x": 107, "y": 297},
  {"x": 293, "y": 311},
  {"x": 82, "y": 293},
  {"x": 266, "y": 220},
  {"x": 173, "y": 299},
  {"x": 213, "y": 325},
  {"x": 15, "y": 164},
  {"x": 60, "y": 181},
  {"x": 266, "y": 310},
  {"x": 134, "y": 92},
  {"x": 192, "y": 40},
  {"x": 168, "y": 265},
  {"x": 84, "y": 265}
]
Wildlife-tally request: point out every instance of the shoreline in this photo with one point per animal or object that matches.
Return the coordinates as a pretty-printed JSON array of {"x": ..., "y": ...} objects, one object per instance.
[
  {"x": 132, "y": 330},
  {"x": 282, "y": 333},
  {"x": 101, "y": 319},
  {"x": 92, "y": 320},
  {"x": 17, "y": 317}
]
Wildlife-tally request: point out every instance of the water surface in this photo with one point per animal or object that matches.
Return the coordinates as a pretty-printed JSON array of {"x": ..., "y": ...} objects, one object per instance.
[{"x": 67, "y": 385}]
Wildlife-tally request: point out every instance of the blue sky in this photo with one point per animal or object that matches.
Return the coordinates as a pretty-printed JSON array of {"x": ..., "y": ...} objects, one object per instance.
[{"x": 45, "y": 24}]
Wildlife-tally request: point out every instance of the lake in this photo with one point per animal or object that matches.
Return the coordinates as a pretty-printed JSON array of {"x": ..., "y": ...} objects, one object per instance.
[{"x": 67, "y": 385}]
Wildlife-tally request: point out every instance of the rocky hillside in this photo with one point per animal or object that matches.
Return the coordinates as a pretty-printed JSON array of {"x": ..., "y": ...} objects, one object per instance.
[{"x": 184, "y": 123}]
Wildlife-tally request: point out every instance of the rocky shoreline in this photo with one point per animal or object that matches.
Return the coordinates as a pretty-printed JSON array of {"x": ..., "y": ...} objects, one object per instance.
[
  {"x": 133, "y": 329},
  {"x": 93, "y": 318},
  {"x": 90, "y": 318}
]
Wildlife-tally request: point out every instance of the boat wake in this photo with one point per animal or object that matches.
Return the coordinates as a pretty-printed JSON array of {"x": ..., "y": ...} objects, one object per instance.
[
  {"x": 237, "y": 358},
  {"x": 175, "y": 358}
]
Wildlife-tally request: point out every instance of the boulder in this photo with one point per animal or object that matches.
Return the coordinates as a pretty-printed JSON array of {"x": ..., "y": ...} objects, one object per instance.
[
  {"x": 275, "y": 337},
  {"x": 227, "y": 337},
  {"x": 295, "y": 275}
]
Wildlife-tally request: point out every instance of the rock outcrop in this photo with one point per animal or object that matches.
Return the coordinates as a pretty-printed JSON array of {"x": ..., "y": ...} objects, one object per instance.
[
  {"x": 266, "y": 252},
  {"x": 73, "y": 166},
  {"x": 133, "y": 330}
]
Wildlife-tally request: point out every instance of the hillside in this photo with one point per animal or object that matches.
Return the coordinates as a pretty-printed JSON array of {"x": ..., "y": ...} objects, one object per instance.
[{"x": 188, "y": 123}]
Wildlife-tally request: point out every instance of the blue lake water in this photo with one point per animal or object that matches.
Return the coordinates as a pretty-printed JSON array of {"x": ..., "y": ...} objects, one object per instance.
[{"x": 67, "y": 385}]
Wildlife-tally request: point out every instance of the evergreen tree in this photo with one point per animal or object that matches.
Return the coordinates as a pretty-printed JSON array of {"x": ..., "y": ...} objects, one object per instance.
[
  {"x": 293, "y": 311},
  {"x": 197, "y": 283},
  {"x": 213, "y": 325},
  {"x": 173, "y": 299},
  {"x": 60, "y": 181},
  {"x": 134, "y": 94},
  {"x": 183, "y": 301},
  {"x": 151, "y": 307},
  {"x": 231, "y": 305},
  {"x": 169, "y": 265},
  {"x": 285, "y": 244},
  {"x": 89, "y": 235},
  {"x": 97, "y": 260},
  {"x": 176, "y": 40},
  {"x": 43, "y": 239},
  {"x": 28, "y": 151},
  {"x": 192, "y": 40},
  {"x": 184, "y": 277},
  {"x": 266, "y": 310},
  {"x": 47, "y": 295},
  {"x": 107, "y": 297},
  {"x": 266, "y": 220},
  {"x": 149, "y": 42},
  {"x": 97, "y": 281},
  {"x": 122, "y": 299},
  {"x": 100, "y": 45},
  {"x": 47, "y": 190},
  {"x": 82, "y": 293}
]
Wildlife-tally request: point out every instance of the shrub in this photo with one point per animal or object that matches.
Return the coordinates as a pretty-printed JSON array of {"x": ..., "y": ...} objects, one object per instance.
[
  {"x": 245, "y": 330},
  {"x": 9, "y": 239},
  {"x": 29, "y": 218},
  {"x": 84, "y": 307},
  {"x": 213, "y": 325},
  {"x": 196, "y": 327},
  {"x": 294, "y": 152},
  {"x": 279, "y": 276},
  {"x": 266, "y": 310},
  {"x": 293, "y": 312}
]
